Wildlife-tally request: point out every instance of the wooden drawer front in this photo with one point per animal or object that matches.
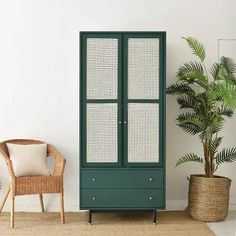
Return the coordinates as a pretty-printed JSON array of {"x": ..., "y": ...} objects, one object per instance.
[
  {"x": 122, "y": 198},
  {"x": 130, "y": 178}
]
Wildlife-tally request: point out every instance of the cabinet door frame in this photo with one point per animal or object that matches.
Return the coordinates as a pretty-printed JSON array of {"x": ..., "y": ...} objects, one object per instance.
[
  {"x": 84, "y": 101},
  {"x": 161, "y": 100},
  {"x": 122, "y": 99}
]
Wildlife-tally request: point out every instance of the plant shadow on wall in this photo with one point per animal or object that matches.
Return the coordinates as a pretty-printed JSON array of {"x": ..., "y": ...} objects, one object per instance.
[{"x": 207, "y": 98}]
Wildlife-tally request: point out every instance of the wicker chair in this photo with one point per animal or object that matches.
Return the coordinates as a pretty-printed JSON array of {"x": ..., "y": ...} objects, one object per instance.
[{"x": 26, "y": 185}]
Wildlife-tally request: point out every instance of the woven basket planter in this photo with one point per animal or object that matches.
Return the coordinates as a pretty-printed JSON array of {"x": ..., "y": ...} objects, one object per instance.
[{"x": 209, "y": 198}]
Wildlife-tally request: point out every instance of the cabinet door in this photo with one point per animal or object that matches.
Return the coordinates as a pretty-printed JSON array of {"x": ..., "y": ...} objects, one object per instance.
[
  {"x": 100, "y": 99},
  {"x": 144, "y": 99}
]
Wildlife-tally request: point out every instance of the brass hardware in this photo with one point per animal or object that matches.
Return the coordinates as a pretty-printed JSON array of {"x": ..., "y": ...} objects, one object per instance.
[
  {"x": 94, "y": 179},
  {"x": 151, "y": 179},
  {"x": 150, "y": 198},
  {"x": 94, "y": 198}
]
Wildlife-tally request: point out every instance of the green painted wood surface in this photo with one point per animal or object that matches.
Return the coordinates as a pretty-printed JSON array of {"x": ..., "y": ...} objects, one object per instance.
[
  {"x": 123, "y": 178},
  {"x": 131, "y": 190},
  {"x": 122, "y": 198}
]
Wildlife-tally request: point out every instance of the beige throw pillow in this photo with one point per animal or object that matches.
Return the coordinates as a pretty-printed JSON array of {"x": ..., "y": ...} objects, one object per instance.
[{"x": 29, "y": 159}]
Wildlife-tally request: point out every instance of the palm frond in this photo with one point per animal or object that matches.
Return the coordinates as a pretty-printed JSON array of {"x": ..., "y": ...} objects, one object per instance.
[
  {"x": 186, "y": 101},
  {"x": 197, "y": 47},
  {"x": 218, "y": 72},
  {"x": 195, "y": 77},
  {"x": 203, "y": 100},
  {"x": 190, "y": 67},
  {"x": 206, "y": 133},
  {"x": 230, "y": 95},
  {"x": 226, "y": 156},
  {"x": 216, "y": 125},
  {"x": 188, "y": 117},
  {"x": 193, "y": 72},
  {"x": 228, "y": 64},
  {"x": 179, "y": 88},
  {"x": 216, "y": 92},
  {"x": 189, "y": 157},
  {"x": 225, "y": 111},
  {"x": 190, "y": 123},
  {"x": 228, "y": 70},
  {"x": 190, "y": 128},
  {"x": 215, "y": 143}
]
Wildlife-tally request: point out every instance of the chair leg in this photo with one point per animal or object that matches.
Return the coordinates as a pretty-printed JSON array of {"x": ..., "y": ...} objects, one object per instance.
[
  {"x": 41, "y": 202},
  {"x": 12, "y": 211},
  {"x": 62, "y": 208},
  {"x": 5, "y": 198}
]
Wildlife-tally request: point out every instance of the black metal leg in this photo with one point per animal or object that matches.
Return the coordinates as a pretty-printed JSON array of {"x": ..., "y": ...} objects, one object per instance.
[
  {"x": 90, "y": 217},
  {"x": 154, "y": 217}
]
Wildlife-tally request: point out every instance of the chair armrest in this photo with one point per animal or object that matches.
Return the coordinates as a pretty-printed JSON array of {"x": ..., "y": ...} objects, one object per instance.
[
  {"x": 60, "y": 160},
  {"x": 8, "y": 162}
]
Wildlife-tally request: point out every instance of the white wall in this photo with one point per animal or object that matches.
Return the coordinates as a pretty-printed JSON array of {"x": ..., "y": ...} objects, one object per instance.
[{"x": 39, "y": 75}]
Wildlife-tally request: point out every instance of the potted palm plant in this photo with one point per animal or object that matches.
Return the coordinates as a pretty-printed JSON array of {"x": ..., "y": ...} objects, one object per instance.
[{"x": 207, "y": 98}]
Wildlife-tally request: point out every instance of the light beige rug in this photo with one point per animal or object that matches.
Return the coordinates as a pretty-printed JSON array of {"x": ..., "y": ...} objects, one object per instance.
[{"x": 104, "y": 224}]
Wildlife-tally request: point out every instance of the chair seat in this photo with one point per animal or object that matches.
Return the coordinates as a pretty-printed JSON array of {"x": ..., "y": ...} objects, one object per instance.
[{"x": 37, "y": 184}]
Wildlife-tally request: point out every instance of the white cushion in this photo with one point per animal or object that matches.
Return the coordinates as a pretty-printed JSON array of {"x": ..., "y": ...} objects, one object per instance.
[{"x": 28, "y": 159}]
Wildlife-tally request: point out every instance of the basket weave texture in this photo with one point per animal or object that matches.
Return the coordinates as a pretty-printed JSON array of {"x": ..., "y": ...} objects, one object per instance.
[
  {"x": 35, "y": 184},
  {"x": 209, "y": 198},
  {"x": 27, "y": 185}
]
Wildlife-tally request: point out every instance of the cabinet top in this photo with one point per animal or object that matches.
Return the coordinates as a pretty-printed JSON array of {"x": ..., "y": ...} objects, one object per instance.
[{"x": 129, "y": 32}]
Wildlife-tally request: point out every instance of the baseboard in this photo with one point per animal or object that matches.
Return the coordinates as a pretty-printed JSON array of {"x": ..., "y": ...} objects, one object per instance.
[
  {"x": 171, "y": 205},
  {"x": 178, "y": 205}
]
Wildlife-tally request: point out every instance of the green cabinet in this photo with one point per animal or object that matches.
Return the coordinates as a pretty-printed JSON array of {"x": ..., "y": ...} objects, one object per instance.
[
  {"x": 127, "y": 198},
  {"x": 122, "y": 178},
  {"x": 122, "y": 120}
]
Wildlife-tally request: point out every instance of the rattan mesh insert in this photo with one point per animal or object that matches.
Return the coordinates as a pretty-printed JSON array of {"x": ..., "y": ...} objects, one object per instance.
[
  {"x": 143, "y": 68},
  {"x": 143, "y": 132},
  {"x": 102, "y": 68},
  {"x": 102, "y": 132}
]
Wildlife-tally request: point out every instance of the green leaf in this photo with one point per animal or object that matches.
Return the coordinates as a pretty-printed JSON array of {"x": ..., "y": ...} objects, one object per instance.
[
  {"x": 218, "y": 92},
  {"x": 190, "y": 123},
  {"x": 195, "y": 77},
  {"x": 226, "y": 156},
  {"x": 186, "y": 101},
  {"x": 217, "y": 71},
  {"x": 228, "y": 64},
  {"x": 226, "y": 94},
  {"x": 190, "y": 128},
  {"x": 192, "y": 72},
  {"x": 224, "y": 70},
  {"x": 197, "y": 47},
  {"x": 179, "y": 88},
  {"x": 217, "y": 127},
  {"x": 203, "y": 101},
  {"x": 215, "y": 143},
  {"x": 225, "y": 111},
  {"x": 189, "y": 157},
  {"x": 190, "y": 67}
]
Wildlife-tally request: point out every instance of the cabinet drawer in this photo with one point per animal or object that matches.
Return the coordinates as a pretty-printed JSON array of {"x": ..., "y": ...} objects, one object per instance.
[
  {"x": 128, "y": 178},
  {"x": 122, "y": 198}
]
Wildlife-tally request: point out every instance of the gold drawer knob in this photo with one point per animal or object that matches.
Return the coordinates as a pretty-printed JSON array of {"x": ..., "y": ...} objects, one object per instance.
[
  {"x": 150, "y": 198},
  {"x": 94, "y": 198},
  {"x": 151, "y": 179},
  {"x": 94, "y": 179}
]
